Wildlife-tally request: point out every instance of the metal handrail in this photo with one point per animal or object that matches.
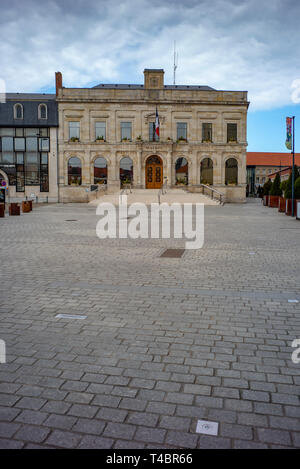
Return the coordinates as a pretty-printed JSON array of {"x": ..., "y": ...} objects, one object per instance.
[
  {"x": 163, "y": 189},
  {"x": 214, "y": 193},
  {"x": 126, "y": 187}
]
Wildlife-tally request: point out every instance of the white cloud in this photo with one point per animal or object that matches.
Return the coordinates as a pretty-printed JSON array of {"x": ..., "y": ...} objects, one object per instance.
[{"x": 227, "y": 44}]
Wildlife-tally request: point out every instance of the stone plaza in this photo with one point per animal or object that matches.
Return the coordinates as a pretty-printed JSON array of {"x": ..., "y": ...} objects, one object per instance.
[{"x": 159, "y": 343}]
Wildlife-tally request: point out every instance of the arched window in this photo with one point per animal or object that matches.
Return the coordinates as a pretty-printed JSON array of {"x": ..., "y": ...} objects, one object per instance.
[
  {"x": 100, "y": 171},
  {"x": 206, "y": 175},
  {"x": 18, "y": 111},
  {"x": 231, "y": 171},
  {"x": 42, "y": 113},
  {"x": 74, "y": 171},
  {"x": 126, "y": 170},
  {"x": 181, "y": 171}
]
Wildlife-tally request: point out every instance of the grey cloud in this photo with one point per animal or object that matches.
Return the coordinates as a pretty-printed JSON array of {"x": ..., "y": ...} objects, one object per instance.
[{"x": 228, "y": 44}]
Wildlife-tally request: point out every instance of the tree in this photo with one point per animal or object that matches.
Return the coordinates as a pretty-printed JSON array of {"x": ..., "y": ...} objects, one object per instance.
[
  {"x": 275, "y": 189},
  {"x": 288, "y": 191},
  {"x": 283, "y": 187},
  {"x": 267, "y": 186},
  {"x": 297, "y": 188}
]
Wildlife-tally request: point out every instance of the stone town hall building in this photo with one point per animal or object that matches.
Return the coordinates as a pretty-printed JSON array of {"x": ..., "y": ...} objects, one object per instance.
[{"x": 107, "y": 136}]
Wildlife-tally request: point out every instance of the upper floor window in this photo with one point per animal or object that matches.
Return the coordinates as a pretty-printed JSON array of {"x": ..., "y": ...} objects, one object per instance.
[
  {"x": 181, "y": 131},
  {"x": 206, "y": 132},
  {"x": 100, "y": 130},
  {"x": 42, "y": 112},
  {"x": 18, "y": 111},
  {"x": 231, "y": 132},
  {"x": 74, "y": 131},
  {"x": 153, "y": 137},
  {"x": 126, "y": 133}
]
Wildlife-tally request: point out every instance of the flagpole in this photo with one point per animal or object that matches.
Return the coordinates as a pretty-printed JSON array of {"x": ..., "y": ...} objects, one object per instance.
[{"x": 293, "y": 167}]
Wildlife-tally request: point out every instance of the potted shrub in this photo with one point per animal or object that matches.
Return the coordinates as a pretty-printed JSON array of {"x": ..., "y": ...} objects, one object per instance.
[
  {"x": 74, "y": 139},
  {"x": 181, "y": 140},
  {"x": 281, "y": 200},
  {"x": 288, "y": 192},
  {"x": 139, "y": 138},
  {"x": 266, "y": 190},
  {"x": 26, "y": 206},
  {"x": 14, "y": 208},
  {"x": 125, "y": 139},
  {"x": 100, "y": 138},
  {"x": 275, "y": 192},
  {"x": 2, "y": 210}
]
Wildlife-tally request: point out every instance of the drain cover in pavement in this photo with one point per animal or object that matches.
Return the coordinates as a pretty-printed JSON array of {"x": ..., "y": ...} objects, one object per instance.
[
  {"x": 173, "y": 253},
  {"x": 207, "y": 428}
]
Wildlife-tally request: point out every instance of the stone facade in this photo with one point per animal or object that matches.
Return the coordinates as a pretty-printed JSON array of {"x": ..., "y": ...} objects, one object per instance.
[{"x": 136, "y": 104}]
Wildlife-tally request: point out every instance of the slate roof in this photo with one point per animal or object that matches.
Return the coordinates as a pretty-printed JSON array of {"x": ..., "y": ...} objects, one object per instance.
[
  {"x": 168, "y": 87},
  {"x": 30, "y": 103}
]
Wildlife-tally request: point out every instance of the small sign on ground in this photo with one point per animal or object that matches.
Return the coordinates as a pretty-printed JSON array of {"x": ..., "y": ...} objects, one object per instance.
[{"x": 207, "y": 428}]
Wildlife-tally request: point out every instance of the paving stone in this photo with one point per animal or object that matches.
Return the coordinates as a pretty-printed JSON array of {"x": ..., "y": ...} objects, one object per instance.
[
  {"x": 231, "y": 430},
  {"x": 112, "y": 415},
  {"x": 161, "y": 408},
  {"x": 8, "y": 429},
  {"x": 32, "y": 433},
  {"x": 31, "y": 403},
  {"x": 79, "y": 410},
  {"x": 8, "y": 414},
  {"x": 56, "y": 407},
  {"x": 147, "y": 434},
  {"x": 214, "y": 442},
  {"x": 143, "y": 418},
  {"x": 33, "y": 417},
  {"x": 181, "y": 439},
  {"x": 60, "y": 421},
  {"x": 11, "y": 444},
  {"x": 274, "y": 436},
  {"x": 63, "y": 439},
  {"x": 123, "y": 444},
  {"x": 119, "y": 430}
]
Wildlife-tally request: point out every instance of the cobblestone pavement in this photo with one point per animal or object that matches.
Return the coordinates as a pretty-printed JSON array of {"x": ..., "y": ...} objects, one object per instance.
[{"x": 165, "y": 341}]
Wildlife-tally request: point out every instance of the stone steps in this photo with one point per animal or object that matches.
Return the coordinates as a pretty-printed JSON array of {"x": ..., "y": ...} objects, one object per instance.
[{"x": 148, "y": 196}]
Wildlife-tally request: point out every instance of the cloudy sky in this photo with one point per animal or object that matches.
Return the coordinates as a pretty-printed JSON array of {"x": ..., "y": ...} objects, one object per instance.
[{"x": 251, "y": 45}]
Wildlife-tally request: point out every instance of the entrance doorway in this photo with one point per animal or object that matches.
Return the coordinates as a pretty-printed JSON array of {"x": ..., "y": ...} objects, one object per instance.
[{"x": 154, "y": 172}]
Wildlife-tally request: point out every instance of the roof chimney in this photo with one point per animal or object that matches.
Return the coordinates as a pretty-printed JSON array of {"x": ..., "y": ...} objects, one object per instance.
[{"x": 58, "y": 81}]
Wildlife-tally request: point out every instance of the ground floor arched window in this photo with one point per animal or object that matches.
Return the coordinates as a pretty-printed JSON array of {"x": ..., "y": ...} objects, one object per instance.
[
  {"x": 100, "y": 171},
  {"x": 206, "y": 174},
  {"x": 181, "y": 171},
  {"x": 74, "y": 171},
  {"x": 231, "y": 171},
  {"x": 126, "y": 170}
]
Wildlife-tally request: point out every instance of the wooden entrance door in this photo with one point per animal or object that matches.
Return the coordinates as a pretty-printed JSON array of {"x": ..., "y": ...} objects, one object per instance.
[{"x": 154, "y": 173}]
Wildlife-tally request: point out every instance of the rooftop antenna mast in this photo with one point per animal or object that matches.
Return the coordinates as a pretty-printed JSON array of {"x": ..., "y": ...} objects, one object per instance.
[{"x": 175, "y": 63}]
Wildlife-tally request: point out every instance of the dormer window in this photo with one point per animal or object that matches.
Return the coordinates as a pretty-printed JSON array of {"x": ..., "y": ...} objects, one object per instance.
[
  {"x": 42, "y": 111},
  {"x": 18, "y": 111}
]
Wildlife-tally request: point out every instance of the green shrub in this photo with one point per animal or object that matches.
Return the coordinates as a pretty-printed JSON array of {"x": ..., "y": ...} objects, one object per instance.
[
  {"x": 288, "y": 190},
  {"x": 283, "y": 187},
  {"x": 275, "y": 189},
  {"x": 267, "y": 187},
  {"x": 297, "y": 188}
]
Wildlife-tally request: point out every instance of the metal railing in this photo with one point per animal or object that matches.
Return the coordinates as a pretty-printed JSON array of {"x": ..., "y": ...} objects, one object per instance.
[
  {"x": 163, "y": 189},
  {"x": 127, "y": 186},
  {"x": 211, "y": 192}
]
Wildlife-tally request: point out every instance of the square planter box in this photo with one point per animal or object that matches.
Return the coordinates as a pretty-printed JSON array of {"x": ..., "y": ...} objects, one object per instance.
[
  {"x": 288, "y": 207},
  {"x": 26, "y": 207},
  {"x": 281, "y": 204},
  {"x": 266, "y": 200},
  {"x": 14, "y": 209},
  {"x": 2, "y": 210},
  {"x": 298, "y": 209},
  {"x": 273, "y": 200}
]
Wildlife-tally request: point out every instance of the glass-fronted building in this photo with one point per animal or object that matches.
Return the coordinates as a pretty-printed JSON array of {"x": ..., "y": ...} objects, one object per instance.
[{"x": 28, "y": 146}]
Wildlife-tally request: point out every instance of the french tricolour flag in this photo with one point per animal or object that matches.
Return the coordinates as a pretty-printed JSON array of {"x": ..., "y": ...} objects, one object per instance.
[{"x": 156, "y": 123}]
